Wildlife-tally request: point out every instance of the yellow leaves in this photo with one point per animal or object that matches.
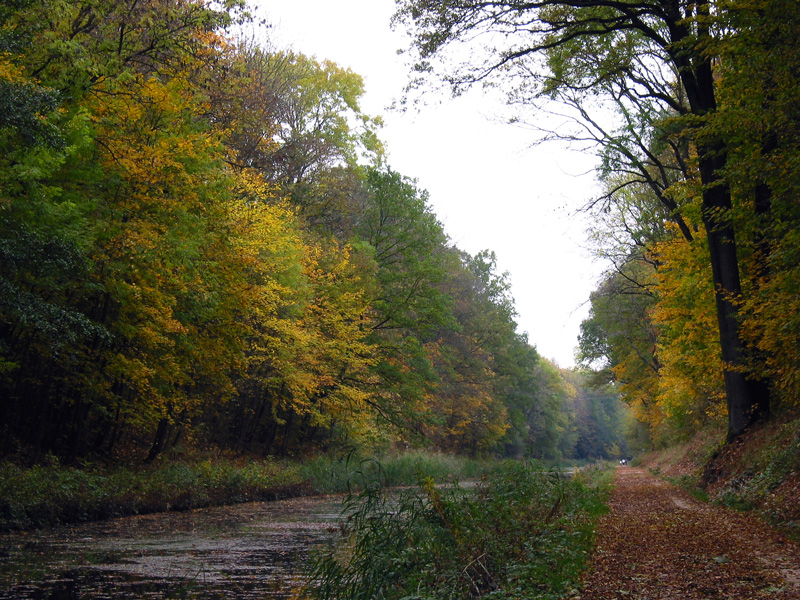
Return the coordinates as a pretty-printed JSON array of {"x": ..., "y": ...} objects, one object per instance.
[
  {"x": 148, "y": 132},
  {"x": 690, "y": 388},
  {"x": 268, "y": 244},
  {"x": 251, "y": 187},
  {"x": 9, "y": 71},
  {"x": 304, "y": 308},
  {"x": 335, "y": 350}
]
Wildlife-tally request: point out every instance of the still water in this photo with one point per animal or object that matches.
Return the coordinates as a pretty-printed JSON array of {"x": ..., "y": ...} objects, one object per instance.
[{"x": 256, "y": 550}]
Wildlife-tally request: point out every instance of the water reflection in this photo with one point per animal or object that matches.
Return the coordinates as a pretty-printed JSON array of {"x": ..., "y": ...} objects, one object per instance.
[{"x": 246, "y": 551}]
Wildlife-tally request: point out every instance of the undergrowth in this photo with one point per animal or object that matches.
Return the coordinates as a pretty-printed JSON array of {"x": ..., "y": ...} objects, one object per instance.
[
  {"x": 523, "y": 533},
  {"x": 52, "y": 494}
]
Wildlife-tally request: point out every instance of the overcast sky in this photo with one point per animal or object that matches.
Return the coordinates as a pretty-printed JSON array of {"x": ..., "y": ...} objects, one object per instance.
[{"x": 487, "y": 186}]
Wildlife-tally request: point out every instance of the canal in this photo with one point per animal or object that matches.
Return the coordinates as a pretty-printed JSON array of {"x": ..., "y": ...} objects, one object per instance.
[{"x": 256, "y": 550}]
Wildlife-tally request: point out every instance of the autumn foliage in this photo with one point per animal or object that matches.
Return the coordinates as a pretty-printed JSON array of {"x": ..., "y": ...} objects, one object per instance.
[
  {"x": 201, "y": 242},
  {"x": 676, "y": 384}
]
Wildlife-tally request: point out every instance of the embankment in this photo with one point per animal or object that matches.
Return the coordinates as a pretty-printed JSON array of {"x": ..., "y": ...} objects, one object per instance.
[{"x": 759, "y": 472}]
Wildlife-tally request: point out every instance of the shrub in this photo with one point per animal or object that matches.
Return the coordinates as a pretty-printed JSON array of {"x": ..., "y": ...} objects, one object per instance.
[{"x": 522, "y": 533}]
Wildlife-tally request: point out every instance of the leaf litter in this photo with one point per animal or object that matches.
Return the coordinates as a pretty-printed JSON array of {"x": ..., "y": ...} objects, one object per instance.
[{"x": 659, "y": 543}]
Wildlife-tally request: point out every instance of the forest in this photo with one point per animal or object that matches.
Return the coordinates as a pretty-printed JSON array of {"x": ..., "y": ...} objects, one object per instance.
[
  {"x": 692, "y": 112},
  {"x": 202, "y": 244},
  {"x": 215, "y": 289}
]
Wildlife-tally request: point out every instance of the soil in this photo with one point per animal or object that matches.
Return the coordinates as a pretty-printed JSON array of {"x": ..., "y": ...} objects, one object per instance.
[{"x": 660, "y": 543}]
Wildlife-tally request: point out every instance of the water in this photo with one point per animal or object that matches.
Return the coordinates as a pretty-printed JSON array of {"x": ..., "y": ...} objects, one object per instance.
[{"x": 256, "y": 550}]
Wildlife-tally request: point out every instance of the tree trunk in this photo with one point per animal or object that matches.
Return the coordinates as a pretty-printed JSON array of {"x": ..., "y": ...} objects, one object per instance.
[
  {"x": 745, "y": 397},
  {"x": 162, "y": 431}
]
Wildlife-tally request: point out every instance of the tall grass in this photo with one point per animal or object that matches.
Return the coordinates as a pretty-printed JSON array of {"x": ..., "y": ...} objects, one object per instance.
[
  {"x": 52, "y": 494},
  {"x": 522, "y": 534},
  {"x": 328, "y": 475}
]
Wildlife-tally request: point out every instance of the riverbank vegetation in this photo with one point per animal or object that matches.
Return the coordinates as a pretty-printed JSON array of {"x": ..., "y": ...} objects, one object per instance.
[
  {"x": 51, "y": 494},
  {"x": 523, "y": 532}
]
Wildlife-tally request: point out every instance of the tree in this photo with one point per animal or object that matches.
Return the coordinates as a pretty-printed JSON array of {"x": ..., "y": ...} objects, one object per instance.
[
  {"x": 690, "y": 391},
  {"x": 636, "y": 43},
  {"x": 537, "y": 399},
  {"x": 112, "y": 213},
  {"x": 619, "y": 339},
  {"x": 598, "y": 418},
  {"x": 469, "y": 399},
  {"x": 295, "y": 120},
  {"x": 401, "y": 238},
  {"x": 758, "y": 117}
]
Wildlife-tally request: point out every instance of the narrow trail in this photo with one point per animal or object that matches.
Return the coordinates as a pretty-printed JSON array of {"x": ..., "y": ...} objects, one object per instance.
[{"x": 659, "y": 543}]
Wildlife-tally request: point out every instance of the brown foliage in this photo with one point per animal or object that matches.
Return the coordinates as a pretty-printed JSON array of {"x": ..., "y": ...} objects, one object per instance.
[{"x": 660, "y": 543}]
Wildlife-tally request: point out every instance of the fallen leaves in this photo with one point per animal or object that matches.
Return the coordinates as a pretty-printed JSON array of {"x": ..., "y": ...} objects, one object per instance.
[{"x": 658, "y": 543}]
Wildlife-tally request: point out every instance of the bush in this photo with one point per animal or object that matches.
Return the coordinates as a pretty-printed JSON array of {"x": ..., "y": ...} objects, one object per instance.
[{"x": 522, "y": 533}]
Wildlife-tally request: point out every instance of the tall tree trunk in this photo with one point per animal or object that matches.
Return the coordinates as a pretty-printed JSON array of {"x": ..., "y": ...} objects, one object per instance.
[
  {"x": 745, "y": 397},
  {"x": 727, "y": 287}
]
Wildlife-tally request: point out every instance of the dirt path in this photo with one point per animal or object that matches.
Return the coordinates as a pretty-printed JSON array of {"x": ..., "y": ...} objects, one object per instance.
[{"x": 659, "y": 543}]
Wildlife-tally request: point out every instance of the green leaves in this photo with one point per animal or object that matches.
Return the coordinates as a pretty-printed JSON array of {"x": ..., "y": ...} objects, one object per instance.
[
  {"x": 521, "y": 532},
  {"x": 201, "y": 243}
]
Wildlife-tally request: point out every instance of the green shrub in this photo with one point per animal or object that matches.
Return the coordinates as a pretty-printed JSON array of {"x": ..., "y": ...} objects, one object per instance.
[{"x": 522, "y": 533}]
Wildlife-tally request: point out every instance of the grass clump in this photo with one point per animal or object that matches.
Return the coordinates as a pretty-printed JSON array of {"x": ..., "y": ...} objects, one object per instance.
[{"x": 523, "y": 533}]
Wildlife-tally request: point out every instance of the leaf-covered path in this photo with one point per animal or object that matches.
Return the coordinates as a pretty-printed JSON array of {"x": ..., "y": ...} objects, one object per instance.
[{"x": 659, "y": 543}]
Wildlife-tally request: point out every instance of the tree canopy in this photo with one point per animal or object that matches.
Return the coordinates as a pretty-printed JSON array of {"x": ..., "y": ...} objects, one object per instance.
[
  {"x": 679, "y": 103},
  {"x": 201, "y": 242}
]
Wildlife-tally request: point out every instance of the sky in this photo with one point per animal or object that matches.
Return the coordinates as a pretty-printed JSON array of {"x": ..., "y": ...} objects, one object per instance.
[{"x": 488, "y": 186}]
